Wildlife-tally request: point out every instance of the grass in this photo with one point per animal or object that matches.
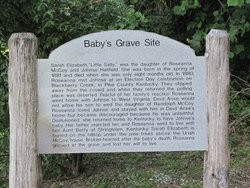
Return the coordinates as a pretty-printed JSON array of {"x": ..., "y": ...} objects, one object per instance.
[
  {"x": 142, "y": 170},
  {"x": 159, "y": 170},
  {"x": 146, "y": 170}
]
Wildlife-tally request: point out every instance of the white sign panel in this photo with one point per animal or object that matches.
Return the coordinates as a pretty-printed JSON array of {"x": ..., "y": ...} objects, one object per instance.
[{"x": 122, "y": 91}]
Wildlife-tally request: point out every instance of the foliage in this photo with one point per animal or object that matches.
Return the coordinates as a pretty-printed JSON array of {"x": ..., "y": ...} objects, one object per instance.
[
  {"x": 237, "y": 2},
  {"x": 239, "y": 113},
  {"x": 4, "y": 84},
  {"x": 4, "y": 131},
  {"x": 63, "y": 22},
  {"x": 190, "y": 20}
]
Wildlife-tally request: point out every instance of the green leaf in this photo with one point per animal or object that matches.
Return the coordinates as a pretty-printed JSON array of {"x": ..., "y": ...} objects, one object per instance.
[
  {"x": 231, "y": 55},
  {"x": 235, "y": 2},
  {"x": 179, "y": 10},
  {"x": 197, "y": 3},
  {"x": 216, "y": 13},
  {"x": 239, "y": 48},
  {"x": 248, "y": 1},
  {"x": 133, "y": 1}
]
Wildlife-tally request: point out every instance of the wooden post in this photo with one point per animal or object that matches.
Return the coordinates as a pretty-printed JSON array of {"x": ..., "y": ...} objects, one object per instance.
[
  {"x": 24, "y": 167},
  {"x": 217, "y": 156}
]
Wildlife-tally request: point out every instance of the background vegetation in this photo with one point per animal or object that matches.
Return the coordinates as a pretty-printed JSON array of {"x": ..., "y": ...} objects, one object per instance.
[{"x": 56, "y": 21}]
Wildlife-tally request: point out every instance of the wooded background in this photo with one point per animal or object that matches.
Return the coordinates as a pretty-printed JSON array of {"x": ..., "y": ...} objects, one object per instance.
[{"x": 55, "y": 22}]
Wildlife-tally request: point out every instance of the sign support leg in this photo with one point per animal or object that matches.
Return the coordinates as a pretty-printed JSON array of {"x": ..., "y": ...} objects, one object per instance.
[
  {"x": 24, "y": 167},
  {"x": 217, "y": 157}
]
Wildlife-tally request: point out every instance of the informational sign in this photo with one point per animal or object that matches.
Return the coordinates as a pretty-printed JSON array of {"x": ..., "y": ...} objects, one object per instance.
[{"x": 122, "y": 91}]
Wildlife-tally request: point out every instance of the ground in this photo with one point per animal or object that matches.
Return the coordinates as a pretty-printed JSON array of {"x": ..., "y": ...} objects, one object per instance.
[{"x": 146, "y": 170}]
